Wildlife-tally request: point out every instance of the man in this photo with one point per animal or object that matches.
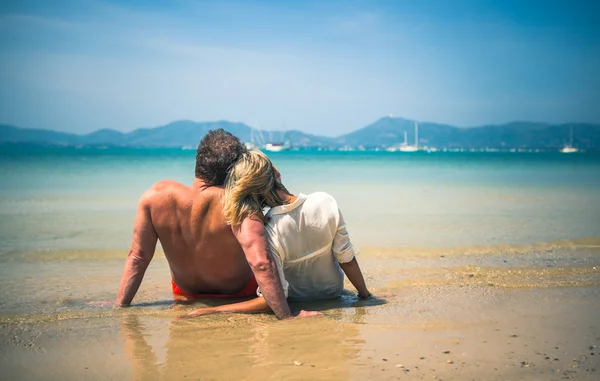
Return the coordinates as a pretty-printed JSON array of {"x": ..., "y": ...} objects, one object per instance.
[{"x": 207, "y": 258}]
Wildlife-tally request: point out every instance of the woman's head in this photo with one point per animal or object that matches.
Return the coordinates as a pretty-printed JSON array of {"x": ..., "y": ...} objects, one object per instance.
[{"x": 251, "y": 184}]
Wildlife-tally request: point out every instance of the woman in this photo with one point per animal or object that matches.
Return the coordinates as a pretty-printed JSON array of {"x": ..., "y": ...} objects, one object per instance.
[{"x": 307, "y": 235}]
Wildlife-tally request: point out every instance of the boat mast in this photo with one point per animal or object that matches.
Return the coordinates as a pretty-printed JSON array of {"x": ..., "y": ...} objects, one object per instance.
[
  {"x": 416, "y": 134},
  {"x": 571, "y": 137}
]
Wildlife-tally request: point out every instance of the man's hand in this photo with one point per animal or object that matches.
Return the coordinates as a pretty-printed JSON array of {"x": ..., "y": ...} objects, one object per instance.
[
  {"x": 308, "y": 314},
  {"x": 198, "y": 312}
]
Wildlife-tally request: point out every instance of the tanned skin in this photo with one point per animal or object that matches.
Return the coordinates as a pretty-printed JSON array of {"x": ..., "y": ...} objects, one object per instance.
[{"x": 205, "y": 255}]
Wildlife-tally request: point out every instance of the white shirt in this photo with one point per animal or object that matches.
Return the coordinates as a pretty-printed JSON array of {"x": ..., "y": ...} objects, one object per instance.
[{"x": 307, "y": 239}]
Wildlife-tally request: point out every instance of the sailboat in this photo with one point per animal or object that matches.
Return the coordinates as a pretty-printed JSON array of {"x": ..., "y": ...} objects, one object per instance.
[
  {"x": 395, "y": 148},
  {"x": 277, "y": 146},
  {"x": 251, "y": 145},
  {"x": 569, "y": 147},
  {"x": 407, "y": 148}
]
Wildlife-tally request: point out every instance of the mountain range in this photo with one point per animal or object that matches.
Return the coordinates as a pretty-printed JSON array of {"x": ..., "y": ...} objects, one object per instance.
[{"x": 385, "y": 132}]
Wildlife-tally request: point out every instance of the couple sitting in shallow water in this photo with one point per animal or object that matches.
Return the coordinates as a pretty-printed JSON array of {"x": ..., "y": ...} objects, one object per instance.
[
  {"x": 219, "y": 244},
  {"x": 306, "y": 234}
]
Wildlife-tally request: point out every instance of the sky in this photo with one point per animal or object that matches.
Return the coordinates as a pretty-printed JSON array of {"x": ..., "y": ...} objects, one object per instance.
[{"x": 322, "y": 67}]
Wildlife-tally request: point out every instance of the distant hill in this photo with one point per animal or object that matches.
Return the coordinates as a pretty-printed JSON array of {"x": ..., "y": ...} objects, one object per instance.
[
  {"x": 10, "y": 134},
  {"x": 182, "y": 133},
  {"x": 388, "y": 132},
  {"x": 385, "y": 132}
]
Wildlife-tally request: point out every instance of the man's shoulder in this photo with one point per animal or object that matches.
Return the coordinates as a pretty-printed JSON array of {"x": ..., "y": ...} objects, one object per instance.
[
  {"x": 163, "y": 185},
  {"x": 160, "y": 190},
  {"x": 170, "y": 190}
]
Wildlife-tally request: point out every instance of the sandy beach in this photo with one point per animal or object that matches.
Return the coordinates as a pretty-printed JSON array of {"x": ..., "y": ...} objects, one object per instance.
[{"x": 444, "y": 314}]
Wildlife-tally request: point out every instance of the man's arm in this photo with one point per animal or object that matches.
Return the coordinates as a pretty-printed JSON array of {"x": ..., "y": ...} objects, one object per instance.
[
  {"x": 256, "y": 305},
  {"x": 251, "y": 306},
  {"x": 251, "y": 236},
  {"x": 140, "y": 254}
]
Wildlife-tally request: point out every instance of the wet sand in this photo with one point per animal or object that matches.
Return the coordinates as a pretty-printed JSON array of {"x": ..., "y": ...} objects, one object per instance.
[
  {"x": 444, "y": 332},
  {"x": 486, "y": 313}
]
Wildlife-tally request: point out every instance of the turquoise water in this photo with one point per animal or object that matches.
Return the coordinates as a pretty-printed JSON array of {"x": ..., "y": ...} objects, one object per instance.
[
  {"x": 67, "y": 215},
  {"x": 61, "y": 199}
]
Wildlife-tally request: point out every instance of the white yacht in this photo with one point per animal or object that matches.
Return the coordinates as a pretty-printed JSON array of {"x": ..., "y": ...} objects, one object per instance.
[
  {"x": 569, "y": 147},
  {"x": 277, "y": 146}
]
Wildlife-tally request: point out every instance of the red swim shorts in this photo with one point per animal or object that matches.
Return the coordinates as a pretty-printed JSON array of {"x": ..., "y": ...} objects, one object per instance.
[{"x": 248, "y": 290}]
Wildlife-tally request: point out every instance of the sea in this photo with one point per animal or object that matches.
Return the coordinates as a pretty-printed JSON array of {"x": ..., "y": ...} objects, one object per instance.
[
  {"x": 66, "y": 199},
  {"x": 510, "y": 219}
]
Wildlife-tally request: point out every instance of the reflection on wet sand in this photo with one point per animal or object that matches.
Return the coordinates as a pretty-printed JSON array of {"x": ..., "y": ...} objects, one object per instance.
[
  {"x": 500, "y": 306},
  {"x": 241, "y": 347}
]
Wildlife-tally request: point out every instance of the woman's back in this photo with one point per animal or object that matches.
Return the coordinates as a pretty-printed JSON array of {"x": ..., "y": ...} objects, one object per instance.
[{"x": 309, "y": 237}]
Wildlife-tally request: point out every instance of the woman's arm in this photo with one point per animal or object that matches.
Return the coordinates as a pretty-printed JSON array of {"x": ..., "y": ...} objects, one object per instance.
[
  {"x": 345, "y": 253},
  {"x": 352, "y": 271},
  {"x": 255, "y": 305}
]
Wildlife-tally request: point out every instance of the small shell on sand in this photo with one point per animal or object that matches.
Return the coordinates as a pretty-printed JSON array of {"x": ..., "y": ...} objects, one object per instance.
[
  {"x": 450, "y": 362},
  {"x": 297, "y": 363},
  {"x": 399, "y": 366}
]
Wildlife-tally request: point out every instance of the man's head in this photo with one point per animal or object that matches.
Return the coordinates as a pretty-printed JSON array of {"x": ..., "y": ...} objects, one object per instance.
[{"x": 217, "y": 152}]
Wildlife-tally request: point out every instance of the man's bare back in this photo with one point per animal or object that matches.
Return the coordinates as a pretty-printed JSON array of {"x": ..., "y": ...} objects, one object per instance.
[{"x": 203, "y": 254}]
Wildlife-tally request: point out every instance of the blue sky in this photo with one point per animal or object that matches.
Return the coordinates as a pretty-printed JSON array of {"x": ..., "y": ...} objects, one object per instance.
[{"x": 324, "y": 67}]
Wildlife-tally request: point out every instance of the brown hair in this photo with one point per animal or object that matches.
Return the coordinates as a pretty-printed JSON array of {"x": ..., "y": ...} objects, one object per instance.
[{"x": 217, "y": 152}]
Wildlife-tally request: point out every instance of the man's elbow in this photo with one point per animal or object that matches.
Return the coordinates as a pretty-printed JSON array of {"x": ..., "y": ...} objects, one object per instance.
[
  {"x": 262, "y": 265},
  {"x": 139, "y": 259}
]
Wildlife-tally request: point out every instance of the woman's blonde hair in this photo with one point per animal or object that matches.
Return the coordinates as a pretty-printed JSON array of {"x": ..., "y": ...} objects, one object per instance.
[{"x": 250, "y": 186}]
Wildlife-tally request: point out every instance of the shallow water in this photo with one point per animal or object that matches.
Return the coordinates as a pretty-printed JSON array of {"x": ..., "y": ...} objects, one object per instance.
[
  {"x": 67, "y": 215},
  {"x": 59, "y": 284},
  {"x": 71, "y": 200},
  {"x": 457, "y": 245}
]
